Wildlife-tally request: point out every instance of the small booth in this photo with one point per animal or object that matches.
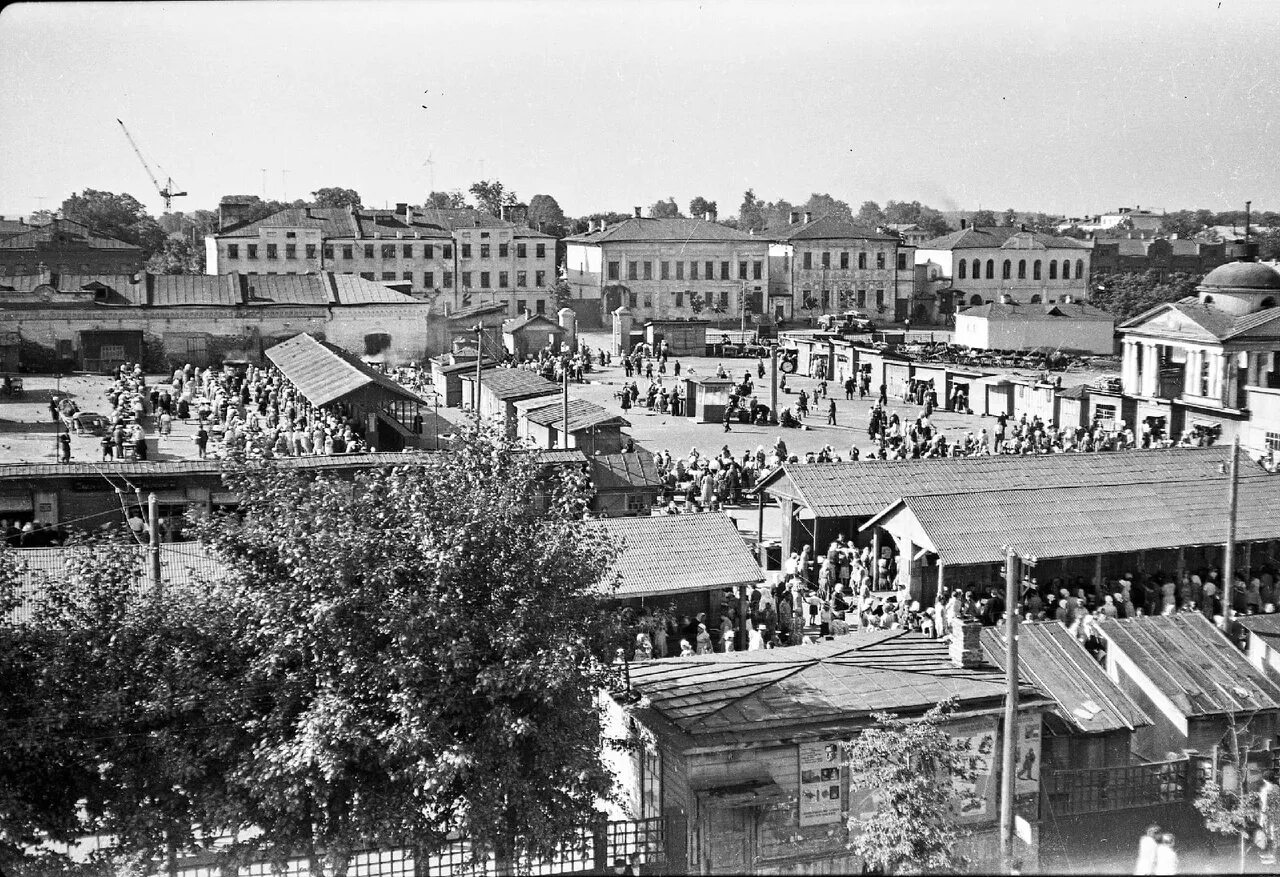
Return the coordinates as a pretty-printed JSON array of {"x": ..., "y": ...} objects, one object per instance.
[
  {"x": 683, "y": 337},
  {"x": 707, "y": 398}
]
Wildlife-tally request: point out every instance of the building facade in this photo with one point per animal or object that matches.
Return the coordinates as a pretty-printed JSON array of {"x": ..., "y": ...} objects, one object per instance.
[
  {"x": 455, "y": 258},
  {"x": 829, "y": 265},
  {"x": 65, "y": 246},
  {"x": 667, "y": 269},
  {"x": 1061, "y": 326}
]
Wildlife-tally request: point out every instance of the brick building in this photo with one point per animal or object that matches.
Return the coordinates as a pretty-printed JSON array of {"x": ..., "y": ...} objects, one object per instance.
[{"x": 65, "y": 246}]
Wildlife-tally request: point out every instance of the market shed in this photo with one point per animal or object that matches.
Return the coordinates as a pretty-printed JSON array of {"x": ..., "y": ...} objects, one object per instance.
[
  {"x": 1263, "y": 649},
  {"x": 1092, "y": 720},
  {"x": 592, "y": 428},
  {"x": 624, "y": 484},
  {"x": 331, "y": 378},
  {"x": 1191, "y": 681},
  {"x": 501, "y": 389},
  {"x": 528, "y": 334},
  {"x": 447, "y": 371},
  {"x": 750, "y": 747}
]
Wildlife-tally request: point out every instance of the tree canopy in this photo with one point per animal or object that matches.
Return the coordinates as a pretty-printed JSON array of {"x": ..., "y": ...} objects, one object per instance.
[
  {"x": 545, "y": 210},
  {"x": 1127, "y": 295},
  {"x": 700, "y": 206},
  {"x": 667, "y": 209},
  {"x": 117, "y": 216},
  {"x": 446, "y": 200},
  {"x": 334, "y": 196},
  {"x": 491, "y": 196},
  {"x": 984, "y": 219},
  {"x": 871, "y": 214}
]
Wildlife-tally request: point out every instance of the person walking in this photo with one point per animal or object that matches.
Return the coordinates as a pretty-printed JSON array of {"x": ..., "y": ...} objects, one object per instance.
[
  {"x": 849, "y": 386},
  {"x": 831, "y": 412},
  {"x": 64, "y": 444},
  {"x": 1166, "y": 861},
  {"x": 202, "y": 441},
  {"x": 1147, "y": 851}
]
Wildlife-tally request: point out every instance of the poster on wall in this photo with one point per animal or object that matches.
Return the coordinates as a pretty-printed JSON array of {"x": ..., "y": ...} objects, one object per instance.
[
  {"x": 979, "y": 753},
  {"x": 820, "y": 786},
  {"x": 1026, "y": 762}
]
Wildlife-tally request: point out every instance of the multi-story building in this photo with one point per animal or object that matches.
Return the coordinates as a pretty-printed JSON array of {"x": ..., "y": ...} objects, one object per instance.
[
  {"x": 65, "y": 246},
  {"x": 667, "y": 269},
  {"x": 976, "y": 266},
  {"x": 457, "y": 257},
  {"x": 1134, "y": 218},
  {"x": 830, "y": 264}
]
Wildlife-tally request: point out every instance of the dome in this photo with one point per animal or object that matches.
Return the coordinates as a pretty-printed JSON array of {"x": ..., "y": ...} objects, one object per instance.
[{"x": 1242, "y": 276}]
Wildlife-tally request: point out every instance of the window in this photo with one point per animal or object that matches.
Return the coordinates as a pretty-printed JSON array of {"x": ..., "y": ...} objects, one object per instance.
[
  {"x": 711, "y": 271},
  {"x": 664, "y": 270},
  {"x": 388, "y": 251},
  {"x": 446, "y": 251},
  {"x": 1272, "y": 442},
  {"x": 272, "y": 252},
  {"x": 407, "y": 275},
  {"x": 648, "y": 301},
  {"x": 1035, "y": 270},
  {"x": 348, "y": 252},
  {"x": 826, "y": 260},
  {"x": 291, "y": 234},
  {"x": 484, "y": 234},
  {"x": 693, "y": 270},
  {"x": 327, "y": 252},
  {"x": 503, "y": 250},
  {"x": 519, "y": 306},
  {"x": 368, "y": 251},
  {"x": 880, "y": 260},
  {"x": 311, "y": 251},
  {"x": 650, "y": 774},
  {"x": 613, "y": 270},
  {"x": 540, "y": 306},
  {"x": 484, "y": 251},
  {"x": 757, "y": 270},
  {"x": 826, "y": 299},
  {"x": 466, "y": 251},
  {"x": 862, "y": 298},
  {"x": 1022, "y": 269},
  {"x": 742, "y": 270},
  {"x": 902, "y": 261},
  {"x": 1053, "y": 269},
  {"x": 724, "y": 299},
  {"x": 504, "y": 280},
  {"x": 466, "y": 279},
  {"x": 975, "y": 300},
  {"x": 522, "y": 251},
  {"x": 1105, "y": 415},
  {"x": 1079, "y": 268},
  {"x": 1035, "y": 299},
  {"x": 253, "y": 251},
  {"x": 1007, "y": 271},
  {"x": 428, "y": 279},
  {"x": 961, "y": 274},
  {"x": 447, "y": 280},
  {"x": 388, "y": 275},
  {"x": 648, "y": 270},
  {"x": 977, "y": 270},
  {"x": 679, "y": 298},
  {"x": 522, "y": 278},
  {"x": 862, "y": 261},
  {"x": 879, "y": 298},
  {"x": 291, "y": 251},
  {"x": 991, "y": 269},
  {"x": 376, "y": 342},
  {"x": 679, "y": 270},
  {"x": 367, "y": 275},
  {"x": 808, "y": 260},
  {"x": 541, "y": 251},
  {"x": 484, "y": 279},
  {"x": 233, "y": 251},
  {"x": 540, "y": 279},
  {"x": 428, "y": 251},
  {"x": 631, "y": 299},
  {"x": 844, "y": 259},
  {"x": 633, "y": 270}
]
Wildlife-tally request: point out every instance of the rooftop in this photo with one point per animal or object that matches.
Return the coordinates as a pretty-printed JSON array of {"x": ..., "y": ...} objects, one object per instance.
[
  {"x": 1242, "y": 276},
  {"x": 324, "y": 373},
  {"x": 582, "y": 414},
  {"x": 675, "y": 554},
  {"x": 679, "y": 229},
  {"x": 1193, "y": 318},
  {"x": 1011, "y": 237},
  {"x": 828, "y": 227},
  {"x": 511, "y": 384},
  {"x": 1046, "y": 311},
  {"x": 624, "y": 471}
]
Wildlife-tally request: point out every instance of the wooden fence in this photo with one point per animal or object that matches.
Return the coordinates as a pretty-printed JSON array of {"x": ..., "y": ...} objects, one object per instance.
[{"x": 1103, "y": 789}]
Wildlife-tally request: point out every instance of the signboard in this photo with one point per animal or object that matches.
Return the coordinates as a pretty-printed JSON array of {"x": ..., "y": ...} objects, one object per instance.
[
  {"x": 979, "y": 750},
  {"x": 820, "y": 787},
  {"x": 1026, "y": 760}
]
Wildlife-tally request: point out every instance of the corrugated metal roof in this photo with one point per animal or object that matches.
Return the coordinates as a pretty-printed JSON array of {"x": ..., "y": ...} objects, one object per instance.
[
  {"x": 1081, "y": 521},
  {"x": 352, "y": 289},
  {"x": 288, "y": 289},
  {"x": 582, "y": 415},
  {"x": 847, "y": 678},
  {"x": 324, "y": 373},
  {"x": 827, "y": 227},
  {"x": 987, "y": 237},
  {"x": 674, "y": 554},
  {"x": 332, "y": 222},
  {"x": 680, "y": 229},
  {"x": 559, "y": 457},
  {"x": 511, "y": 384},
  {"x": 624, "y": 471},
  {"x": 178, "y": 290},
  {"x": 518, "y": 323},
  {"x": 116, "y": 470},
  {"x": 1052, "y": 660},
  {"x": 1192, "y": 663},
  {"x": 1267, "y": 626},
  {"x": 867, "y": 487}
]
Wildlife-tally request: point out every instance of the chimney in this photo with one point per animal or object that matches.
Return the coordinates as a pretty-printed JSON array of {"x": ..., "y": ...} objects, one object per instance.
[
  {"x": 234, "y": 209},
  {"x": 408, "y": 214},
  {"x": 965, "y": 649},
  {"x": 964, "y": 223},
  {"x": 401, "y": 207},
  {"x": 808, "y": 216},
  {"x": 306, "y": 211},
  {"x": 637, "y": 209},
  {"x": 795, "y": 217},
  {"x": 1022, "y": 226},
  {"x": 504, "y": 211}
]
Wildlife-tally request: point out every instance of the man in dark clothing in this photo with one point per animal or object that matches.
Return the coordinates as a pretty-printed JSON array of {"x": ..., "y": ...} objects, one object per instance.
[
  {"x": 849, "y": 386},
  {"x": 64, "y": 442},
  {"x": 831, "y": 412}
]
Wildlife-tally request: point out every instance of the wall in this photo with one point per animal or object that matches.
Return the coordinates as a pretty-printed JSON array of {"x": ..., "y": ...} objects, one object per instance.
[
  {"x": 1020, "y": 290},
  {"x": 1094, "y": 336},
  {"x": 656, "y": 298},
  {"x": 1264, "y": 418},
  {"x": 839, "y": 289}
]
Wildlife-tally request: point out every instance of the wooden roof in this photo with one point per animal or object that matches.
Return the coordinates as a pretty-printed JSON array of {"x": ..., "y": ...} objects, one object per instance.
[{"x": 675, "y": 554}]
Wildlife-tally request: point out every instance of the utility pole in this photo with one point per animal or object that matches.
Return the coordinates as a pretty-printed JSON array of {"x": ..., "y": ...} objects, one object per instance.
[
  {"x": 264, "y": 184},
  {"x": 773, "y": 387},
  {"x": 284, "y": 185},
  {"x": 153, "y": 552},
  {"x": 1229, "y": 556},
  {"x": 479, "y": 330},
  {"x": 565, "y": 428},
  {"x": 1010, "y": 705}
]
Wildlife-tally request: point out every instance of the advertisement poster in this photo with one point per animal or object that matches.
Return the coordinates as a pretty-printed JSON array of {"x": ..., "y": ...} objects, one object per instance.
[
  {"x": 1026, "y": 763},
  {"x": 980, "y": 752},
  {"x": 820, "y": 786}
]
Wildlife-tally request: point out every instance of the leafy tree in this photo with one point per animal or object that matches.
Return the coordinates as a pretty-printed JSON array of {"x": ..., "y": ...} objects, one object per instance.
[
  {"x": 751, "y": 213},
  {"x": 822, "y": 204},
  {"x": 562, "y": 293},
  {"x": 700, "y": 206},
  {"x": 984, "y": 219},
  {"x": 1010, "y": 217},
  {"x": 41, "y": 217},
  {"x": 592, "y": 220},
  {"x": 336, "y": 197},
  {"x": 492, "y": 196},
  {"x": 1269, "y": 244},
  {"x": 545, "y": 210},
  {"x": 909, "y": 767},
  {"x": 446, "y": 200},
  {"x": 1225, "y": 802},
  {"x": 871, "y": 214},
  {"x": 177, "y": 255},
  {"x": 665, "y": 209},
  {"x": 117, "y": 216},
  {"x": 1127, "y": 295},
  {"x": 933, "y": 221},
  {"x": 256, "y": 208}
]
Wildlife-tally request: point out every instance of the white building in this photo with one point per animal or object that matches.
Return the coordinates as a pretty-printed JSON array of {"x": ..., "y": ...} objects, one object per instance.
[{"x": 1064, "y": 325}]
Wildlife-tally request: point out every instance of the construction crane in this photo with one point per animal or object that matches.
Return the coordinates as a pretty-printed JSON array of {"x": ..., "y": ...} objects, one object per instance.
[{"x": 166, "y": 191}]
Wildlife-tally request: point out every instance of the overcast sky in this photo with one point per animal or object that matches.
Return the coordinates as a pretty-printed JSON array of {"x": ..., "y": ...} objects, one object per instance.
[{"x": 1073, "y": 108}]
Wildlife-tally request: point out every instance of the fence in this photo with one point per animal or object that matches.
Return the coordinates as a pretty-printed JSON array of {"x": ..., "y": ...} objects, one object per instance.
[
  {"x": 1103, "y": 789},
  {"x": 592, "y": 850}
]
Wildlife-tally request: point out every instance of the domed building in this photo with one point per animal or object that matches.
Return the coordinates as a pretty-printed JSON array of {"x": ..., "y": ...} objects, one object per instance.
[{"x": 1210, "y": 363}]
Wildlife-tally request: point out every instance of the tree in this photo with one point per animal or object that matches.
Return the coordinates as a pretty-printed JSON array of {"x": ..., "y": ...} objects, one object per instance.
[
  {"x": 177, "y": 255},
  {"x": 562, "y": 293},
  {"x": 700, "y": 206},
  {"x": 1010, "y": 217},
  {"x": 1127, "y": 295},
  {"x": 751, "y": 215},
  {"x": 117, "y": 216},
  {"x": 871, "y": 214},
  {"x": 336, "y": 197},
  {"x": 665, "y": 209},
  {"x": 933, "y": 221},
  {"x": 909, "y": 768},
  {"x": 821, "y": 204},
  {"x": 41, "y": 217},
  {"x": 1225, "y": 802},
  {"x": 417, "y": 655},
  {"x": 545, "y": 210},
  {"x": 492, "y": 196},
  {"x": 983, "y": 219},
  {"x": 446, "y": 200}
]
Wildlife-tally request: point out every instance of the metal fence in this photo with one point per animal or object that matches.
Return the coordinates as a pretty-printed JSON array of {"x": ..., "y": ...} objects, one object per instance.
[{"x": 1103, "y": 789}]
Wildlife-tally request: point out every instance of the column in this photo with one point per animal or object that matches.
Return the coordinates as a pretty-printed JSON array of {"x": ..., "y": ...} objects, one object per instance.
[
  {"x": 1191, "y": 374},
  {"x": 1150, "y": 369},
  {"x": 1129, "y": 366},
  {"x": 906, "y": 562},
  {"x": 1214, "y": 361},
  {"x": 875, "y": 559}
]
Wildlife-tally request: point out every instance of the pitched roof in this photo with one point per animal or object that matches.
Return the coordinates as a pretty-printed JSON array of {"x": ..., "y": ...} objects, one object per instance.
[
  {"x": 125, "y": 470},
  {"x": 511, "y": 384},
  {"x": 843, "y": 680},
  {"x": 867, "y": 487},
  {"x": 1058, "y": 665},
  {"x": 1044, "y": 311},
  {"x": 1266, "y": 626},
  {"x": 559, "y": 457},
  {"x": 388, "y": 224},
  {"x": 32, "y": 235},
  {"x": 680, "y": 229},
  {"x": 973, "y": 527},
  {"x": 1192, "y": 663},
  {"x": 1215, "y": 321},
  {"x": 515, "y": 324},
  {"x": 998, "y": 236},
  {"x": 675, "y": 554},
  {"x": 178, "y": 290},
  {"x": 352, "y": 289},
  {"x": 333, "y": 222},
  {"x": 624, "y": 471},
  {"x": 287, "y": 289},
  {"x": 582, "y": 414},
  {"x": 324, "y": 373},
  {"x": 828, "y": 227}
]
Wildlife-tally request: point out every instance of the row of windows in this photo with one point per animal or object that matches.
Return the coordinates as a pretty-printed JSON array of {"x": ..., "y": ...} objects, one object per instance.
[
  {"x": 862, "y": 260},
  {"x": 643, "y": 270},
  {"x": 687, "y": 298},
  {"x": 386, "y": 251},
  {"x": 844, "y": 300},
  {"x": 486, "y": 277},
  {"x": 963, "y": 269}
]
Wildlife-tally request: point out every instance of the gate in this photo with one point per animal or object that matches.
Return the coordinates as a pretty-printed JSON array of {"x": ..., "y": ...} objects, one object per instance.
[{"x": 1105, "y": 789}]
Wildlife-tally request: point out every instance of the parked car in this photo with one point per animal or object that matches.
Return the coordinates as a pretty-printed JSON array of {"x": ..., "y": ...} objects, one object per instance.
[{"x": 847, "y": 323}]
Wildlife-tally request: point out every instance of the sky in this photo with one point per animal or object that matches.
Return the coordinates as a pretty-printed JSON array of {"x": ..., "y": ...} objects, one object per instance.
[{"x": 1067, "y": 108}]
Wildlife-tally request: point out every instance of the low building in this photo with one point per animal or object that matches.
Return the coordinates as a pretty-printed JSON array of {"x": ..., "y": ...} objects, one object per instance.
[
  {"x": 1193, "y": 683},
  {"x": 591, "y": 428},
  {"x": 1262, "y": 634},
  {"x": 64, "y": 246},
  {"x": 681, "y": 337},
  {"x": 529, "y": 334},
  {"x": 447, "y": 371},
  {"x": 1064, "y": 325},
  {"x": 625, "y": 484},
  {"x": 499, "y": 391}
]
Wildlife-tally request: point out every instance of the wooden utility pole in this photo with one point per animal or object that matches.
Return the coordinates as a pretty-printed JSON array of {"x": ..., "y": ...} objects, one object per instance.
[
  {"x": 1010, "y": 705},
  {"x": 479, "y": 329},
  {"x": 773, "y": 386},
  {"x": 1229, "y": 557},
  {"x": 153, "y": 550},
  {"x": 566, "y": 406}
]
